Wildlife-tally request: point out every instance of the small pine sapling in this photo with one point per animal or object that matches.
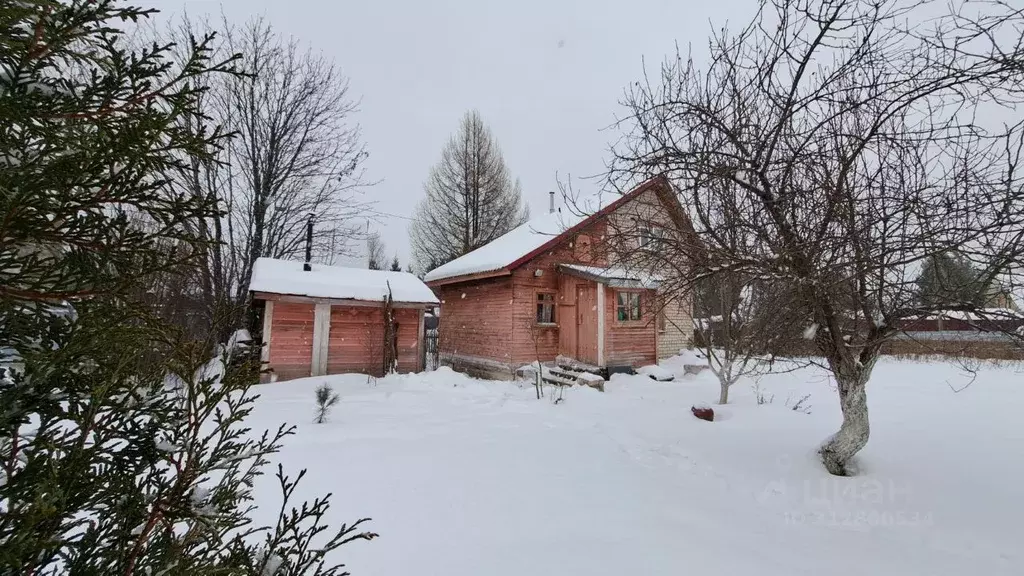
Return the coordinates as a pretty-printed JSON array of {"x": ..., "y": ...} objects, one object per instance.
[{"x": 325, "y": 400}]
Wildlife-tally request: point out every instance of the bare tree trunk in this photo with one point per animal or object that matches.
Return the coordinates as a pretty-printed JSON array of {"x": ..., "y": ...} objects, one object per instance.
[
  {"x": 853, "y": 435},
  {"x": 723, "y": 395}
]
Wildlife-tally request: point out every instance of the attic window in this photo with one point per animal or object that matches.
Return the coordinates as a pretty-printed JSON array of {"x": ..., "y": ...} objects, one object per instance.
[{"x": 651, "y": 237}]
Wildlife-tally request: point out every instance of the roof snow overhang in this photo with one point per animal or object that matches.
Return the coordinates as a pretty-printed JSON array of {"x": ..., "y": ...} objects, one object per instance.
[{"x": 615, "y": 277}]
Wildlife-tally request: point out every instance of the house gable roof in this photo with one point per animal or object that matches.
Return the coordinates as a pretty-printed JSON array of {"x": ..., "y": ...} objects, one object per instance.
[
  {"x": 273, "y": 276},
  {"x": 508, "y": 252}
]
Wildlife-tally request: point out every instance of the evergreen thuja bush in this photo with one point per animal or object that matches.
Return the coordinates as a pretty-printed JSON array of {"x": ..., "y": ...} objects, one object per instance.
[{"x": 123, "y": 445}]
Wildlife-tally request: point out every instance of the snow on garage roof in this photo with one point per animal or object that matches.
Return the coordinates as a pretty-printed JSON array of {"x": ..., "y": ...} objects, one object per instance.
[
  {"x": 505, "y": 250},
  {"x": 287, "y": 277}
]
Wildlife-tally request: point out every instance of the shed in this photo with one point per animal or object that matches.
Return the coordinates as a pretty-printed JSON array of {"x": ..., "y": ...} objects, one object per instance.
[{"x": 330, "y": 319}]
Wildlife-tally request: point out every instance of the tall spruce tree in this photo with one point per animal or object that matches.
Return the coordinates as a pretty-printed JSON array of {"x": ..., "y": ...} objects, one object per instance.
[
  {"x": 122, "y": 445},
  {"x": 949, "y": 279}
]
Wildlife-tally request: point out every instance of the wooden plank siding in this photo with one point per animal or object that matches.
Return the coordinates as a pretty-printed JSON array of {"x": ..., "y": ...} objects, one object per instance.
[
  {"x": 530, "y": 341},
  {"x": 646, "y": 207},
  {"x": 634, "y": 342},
  {"x": 476, "y": 319},
  {"x": 291, "y": 346},
  {"x": 566, "y": 309},
  {"x": 356, "y": 343}
]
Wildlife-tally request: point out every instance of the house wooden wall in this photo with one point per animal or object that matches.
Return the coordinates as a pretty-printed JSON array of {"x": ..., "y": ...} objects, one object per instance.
[
  {"x": 355, "y": 344},
  {"x": 678, "y": 310},
  {"x": 476, "y": 319},
  {"x": 633, "y": 342},
  {"x": 529, "y": 340}
]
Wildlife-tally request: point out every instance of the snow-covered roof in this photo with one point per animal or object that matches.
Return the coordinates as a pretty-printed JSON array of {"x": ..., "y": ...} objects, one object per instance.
[
  {"x": 287, "y": 277},
  {"x": 505, "y": 250},
  {"x": 981, "y": 314},
  {"x": 615, "y": 276}
]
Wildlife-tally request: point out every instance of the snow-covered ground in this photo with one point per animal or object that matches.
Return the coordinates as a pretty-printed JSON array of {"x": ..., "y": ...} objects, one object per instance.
[{"x": 465, "y": 477}]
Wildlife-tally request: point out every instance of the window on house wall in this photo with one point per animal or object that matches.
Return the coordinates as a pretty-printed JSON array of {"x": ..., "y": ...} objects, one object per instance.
[
  {"x": 545, "y": 308},
  {"x": 627, "y": 306},
  {"x": 650, "y": 237}
]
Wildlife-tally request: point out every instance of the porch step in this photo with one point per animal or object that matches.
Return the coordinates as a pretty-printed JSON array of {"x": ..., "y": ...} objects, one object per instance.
[
  {"x": 574, "y": 365},
  {"x": 562, "y": 376},
  {"x": 558, "y": 379}
]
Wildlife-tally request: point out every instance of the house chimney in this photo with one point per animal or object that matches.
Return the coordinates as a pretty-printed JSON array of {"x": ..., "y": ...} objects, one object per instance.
[
  {"x": 307, "y": 266},
  {"x": 551, "y": 203}
]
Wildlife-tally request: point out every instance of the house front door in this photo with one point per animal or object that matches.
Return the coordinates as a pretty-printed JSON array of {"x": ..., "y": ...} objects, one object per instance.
[{"x": 586, "y": 323}]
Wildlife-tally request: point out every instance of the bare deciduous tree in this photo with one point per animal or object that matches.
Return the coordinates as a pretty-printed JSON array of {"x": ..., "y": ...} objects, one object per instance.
[
  {"x": 296, "y": 152},
  {"x": 471, "y": 198},
  {"x": 374, "y": 251},
  {"x": 849, "y": 145},
  {"x": 739, "y": 327}
]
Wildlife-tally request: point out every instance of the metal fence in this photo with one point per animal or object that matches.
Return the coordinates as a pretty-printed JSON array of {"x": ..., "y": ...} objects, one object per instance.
[{"x": 430, "y": 354}]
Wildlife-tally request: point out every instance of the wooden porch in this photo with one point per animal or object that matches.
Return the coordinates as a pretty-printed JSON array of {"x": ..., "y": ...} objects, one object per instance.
[{"x": 598, "y": 324}]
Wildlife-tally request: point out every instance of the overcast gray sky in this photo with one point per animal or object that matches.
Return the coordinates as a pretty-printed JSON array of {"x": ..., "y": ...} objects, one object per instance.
[{"x": 546, "y": 76}]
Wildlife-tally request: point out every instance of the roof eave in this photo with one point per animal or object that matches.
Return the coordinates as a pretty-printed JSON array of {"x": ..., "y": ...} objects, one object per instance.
[
  {"x": 468, "y": 277},
  {"x": 264, "y": 295}
]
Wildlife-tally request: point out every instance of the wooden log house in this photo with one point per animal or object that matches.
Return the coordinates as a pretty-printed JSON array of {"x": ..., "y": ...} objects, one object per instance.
[{"x": 564, "y": 285}]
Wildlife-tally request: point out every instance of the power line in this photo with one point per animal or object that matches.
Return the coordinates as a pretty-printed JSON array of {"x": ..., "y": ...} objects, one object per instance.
[{"x": 379, "y": 213}]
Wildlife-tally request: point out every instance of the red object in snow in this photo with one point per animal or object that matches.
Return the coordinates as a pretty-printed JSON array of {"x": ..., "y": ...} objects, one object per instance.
[{"x": 704, "y": 413}]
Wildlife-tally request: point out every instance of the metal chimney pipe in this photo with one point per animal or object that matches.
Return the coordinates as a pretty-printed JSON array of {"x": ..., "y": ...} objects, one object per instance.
[
  {"x": 307, "y": 266},
  {"x": 551, "y": 203}
]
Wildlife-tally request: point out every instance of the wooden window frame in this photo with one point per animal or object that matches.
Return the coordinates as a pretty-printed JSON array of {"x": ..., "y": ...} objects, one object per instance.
[
  {"x": 650, "y": 237},
  {"x": 553, "y": 303},
  {"x": 639, "y": 307}
]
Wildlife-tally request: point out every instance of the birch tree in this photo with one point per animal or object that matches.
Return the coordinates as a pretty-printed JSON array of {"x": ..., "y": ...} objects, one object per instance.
[
  {"x": 848, "y": 137},
  {"x": 470, "y": 200}
]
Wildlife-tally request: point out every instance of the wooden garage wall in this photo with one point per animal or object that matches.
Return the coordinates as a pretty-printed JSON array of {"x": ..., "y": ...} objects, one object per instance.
[
  {"x": 291, "y": 349},
  {"x": 356, "y": 343}
]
